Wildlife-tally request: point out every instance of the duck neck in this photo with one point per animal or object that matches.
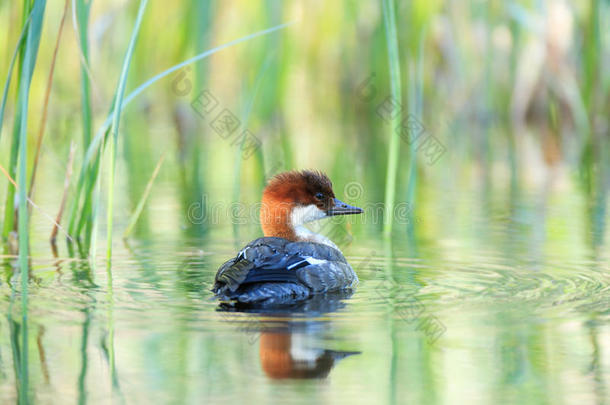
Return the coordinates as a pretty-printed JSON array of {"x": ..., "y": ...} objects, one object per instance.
[
  {"x": 281, "y": 220},
  {"x": 275, "y": 220},
  {"x": 305, "y": 235}
]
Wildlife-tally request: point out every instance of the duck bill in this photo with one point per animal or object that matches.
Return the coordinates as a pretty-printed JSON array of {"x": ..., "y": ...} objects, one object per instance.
[{"x": 341, "y": 208}]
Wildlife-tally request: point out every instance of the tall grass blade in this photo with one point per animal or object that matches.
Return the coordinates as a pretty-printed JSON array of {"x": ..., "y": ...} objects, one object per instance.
[
  {"x": 116, "y": 117},
  {"x": 136, "y": 214},
  {"x": 92, "y": 242},
  {"x": 27, "y": 69},
  {"x": 80, "y": 15},
  {"x": 80, "y": 20},
  {"x": 389, "y": 21},
  {"x": 415, "y": 107},
  {"x": 246, "y": 119},
  {"x": 191, "y": 147},
  {"x": 9, "y": 207},
  {"x": 62, "y": 205},
  {"x": 45, "y": 107},
  {"x": 199, "y": 57},
  {"x": 9, "y": 76}
]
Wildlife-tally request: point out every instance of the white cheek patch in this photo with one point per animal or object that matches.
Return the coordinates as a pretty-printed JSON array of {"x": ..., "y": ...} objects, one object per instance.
[
  {"x": 307, "y": 213},
  {"x": 304, "y": 214}
]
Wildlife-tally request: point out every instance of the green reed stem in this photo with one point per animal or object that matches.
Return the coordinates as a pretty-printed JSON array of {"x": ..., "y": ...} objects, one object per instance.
[
  {"x": 45, "y": 106},
  {"x": 9, "y": 207},
  {"x": 116, "y": 117},
  {"x": 27, "y": 69},
  {"x": 81, "y": 15},
  {"x": 415, "y": 108},
  {"x": 389, "y": 21},
  {"x": 87, "y": 215},
  {"x": 246, "y": 120},
  {"x": 92, "y": 241},
  {"x": 9, "y": 76},
  {"x": 83, "y": 8},
  {"x": 136, "y": 214}
]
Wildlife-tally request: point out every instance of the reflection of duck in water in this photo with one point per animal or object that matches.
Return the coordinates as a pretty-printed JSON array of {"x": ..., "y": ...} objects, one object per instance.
[
  {"x": 290, "y": 263},
  {"x": 290, "y": 346},
  {"x": 289, "y": 355}
]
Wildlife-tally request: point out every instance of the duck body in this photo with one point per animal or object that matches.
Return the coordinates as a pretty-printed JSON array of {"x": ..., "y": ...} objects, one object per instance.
[
  {"x": 291, "y": 263},
  {"x": 276, "y": 271}
]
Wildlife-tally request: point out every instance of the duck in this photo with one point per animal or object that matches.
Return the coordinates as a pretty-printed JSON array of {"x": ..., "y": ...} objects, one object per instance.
[{"x": 290, "y": 263}]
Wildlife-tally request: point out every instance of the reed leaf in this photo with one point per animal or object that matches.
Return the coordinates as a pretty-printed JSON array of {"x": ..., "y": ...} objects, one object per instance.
[
  {"x": 80, "y": 16},
  {"x": 81, "y": 10},
  {"x": 136, "y": 214},
  {"x": 64, "y": 197},
  {"x": 389, "y": 22},
  {"x": 9, "y": 76},
  {"x": 45, "y": 106},
  {"x": 88, "y": 167},
  {"x": 9, "y": 207},
  {"x": 27, "y": 69},
  {"x": 116, "y": 117}
]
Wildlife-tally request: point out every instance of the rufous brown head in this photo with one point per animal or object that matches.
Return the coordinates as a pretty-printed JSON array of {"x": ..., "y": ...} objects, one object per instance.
[{"x": 294, "y": 198}]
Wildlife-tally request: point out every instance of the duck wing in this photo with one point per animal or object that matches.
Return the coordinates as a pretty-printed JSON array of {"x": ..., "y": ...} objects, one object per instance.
[{"x": 268, "y": 268}]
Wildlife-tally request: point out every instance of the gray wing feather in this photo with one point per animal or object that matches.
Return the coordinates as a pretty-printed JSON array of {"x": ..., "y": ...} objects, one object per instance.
[
  {"x": 273, "y": 293},
  {"x": 312, "y": 278},
  {"x": 324, "y": 279}
]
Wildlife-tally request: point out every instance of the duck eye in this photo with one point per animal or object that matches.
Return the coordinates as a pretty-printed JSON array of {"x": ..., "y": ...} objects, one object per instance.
[{"x": 319, "y": 196}]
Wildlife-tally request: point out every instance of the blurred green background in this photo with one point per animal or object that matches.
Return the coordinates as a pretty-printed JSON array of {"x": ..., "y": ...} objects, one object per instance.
[
  {"x": 514, "y": 93},
  {"x": 475, "y": 134}
]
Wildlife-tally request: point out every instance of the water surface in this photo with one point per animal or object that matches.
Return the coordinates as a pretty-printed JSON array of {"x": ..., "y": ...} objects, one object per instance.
[{"x": 492, "y": 300}]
